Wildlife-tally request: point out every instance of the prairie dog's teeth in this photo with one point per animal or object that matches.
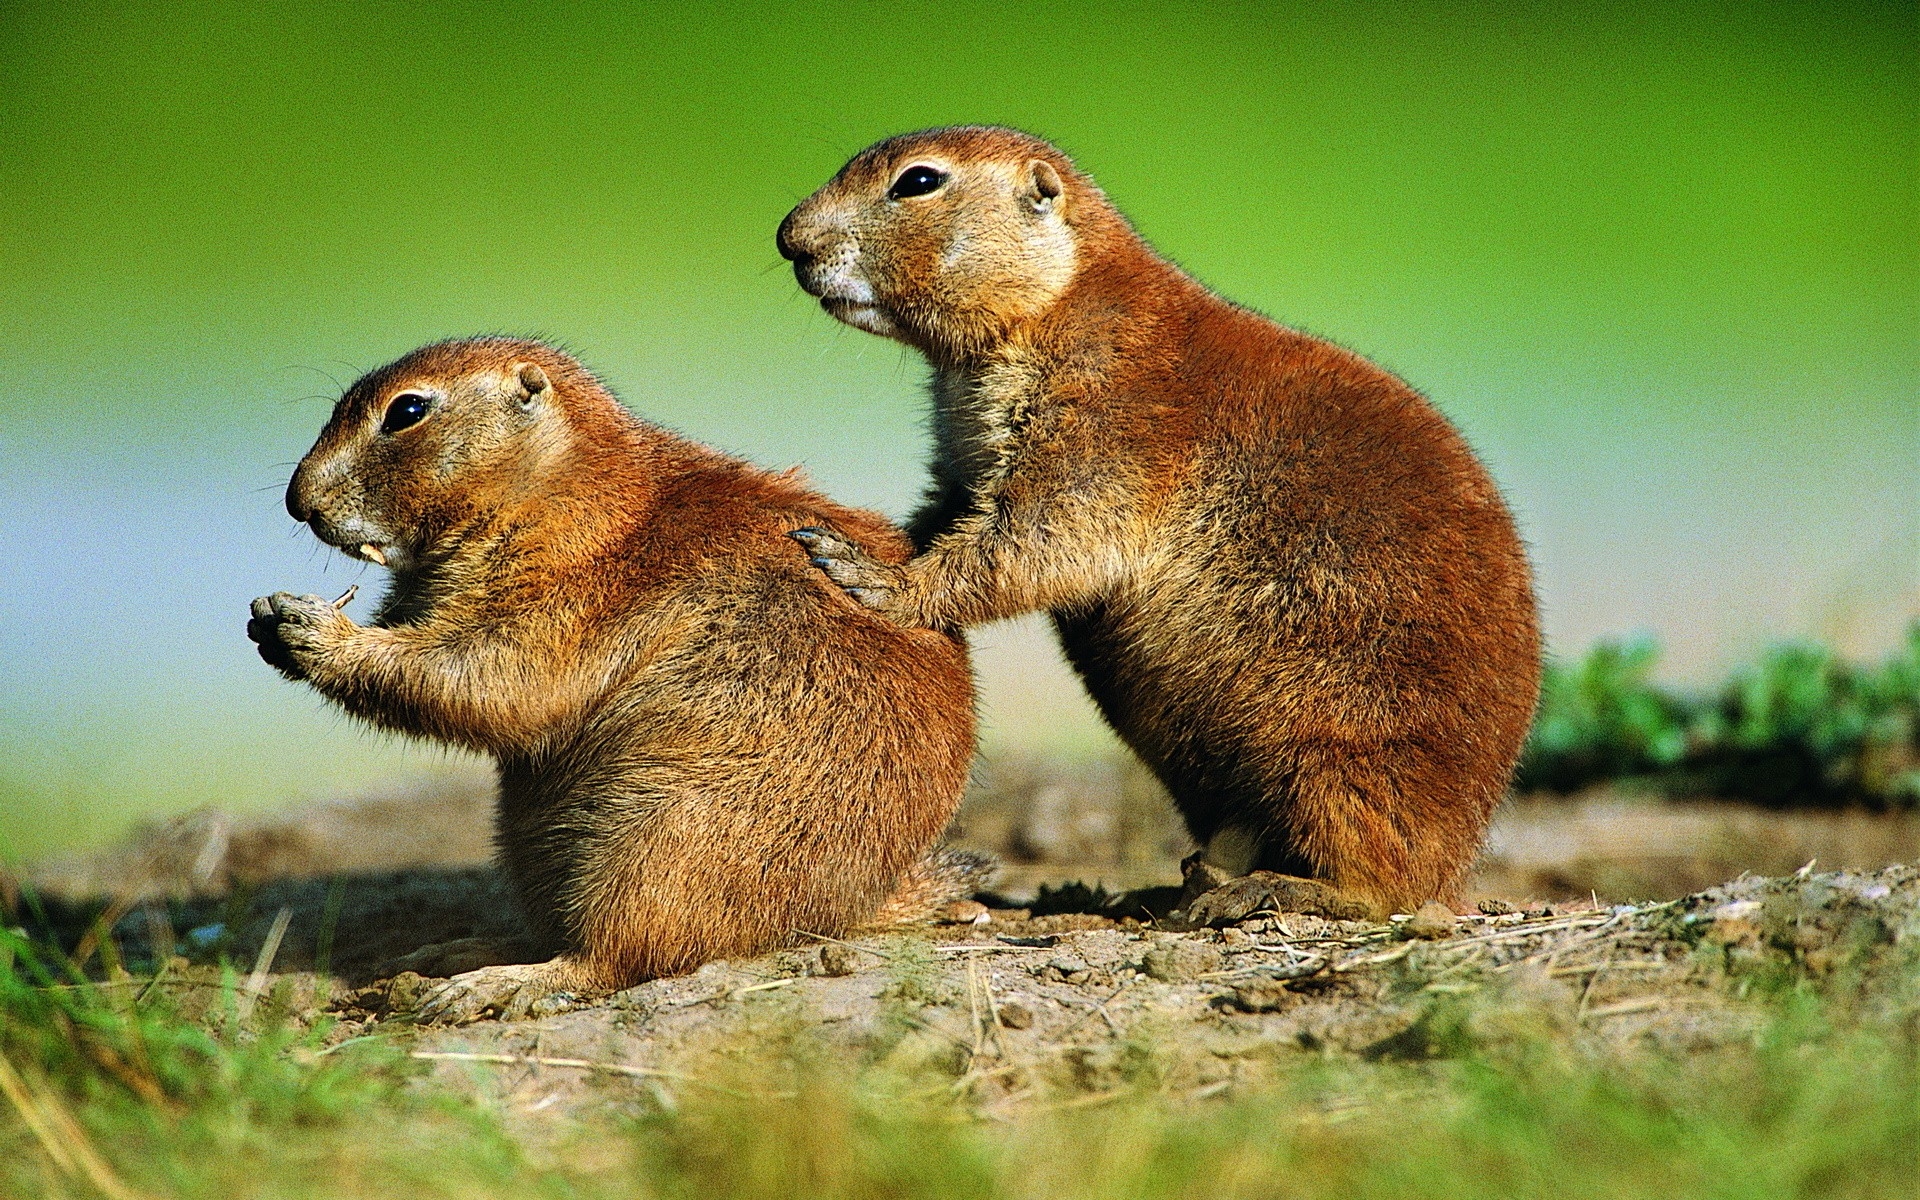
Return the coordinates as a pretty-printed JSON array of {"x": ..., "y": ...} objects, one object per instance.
[{"x": 370, "y": 551}]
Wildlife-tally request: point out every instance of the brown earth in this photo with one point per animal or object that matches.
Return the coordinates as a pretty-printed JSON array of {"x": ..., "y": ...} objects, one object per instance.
[{"x": 1022, "y": 1007}]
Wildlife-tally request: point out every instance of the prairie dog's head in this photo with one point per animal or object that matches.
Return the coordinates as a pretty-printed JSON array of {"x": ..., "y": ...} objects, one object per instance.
[
  {"x": 945, "y": 239},
  {"x": 416, "y": 447}
]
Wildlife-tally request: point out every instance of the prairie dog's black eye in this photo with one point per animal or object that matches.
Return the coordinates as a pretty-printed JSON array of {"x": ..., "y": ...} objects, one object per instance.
[
  {"x": 917, "y": 180},
  {"x": 406, "y": 409}
]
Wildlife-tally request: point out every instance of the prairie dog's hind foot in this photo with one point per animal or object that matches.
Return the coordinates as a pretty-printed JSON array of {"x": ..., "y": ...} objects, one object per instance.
[
  {"x": 870, "y": 582},
  {"x": 1213, "y": 897},
  {"x": 510, "y": 993}
]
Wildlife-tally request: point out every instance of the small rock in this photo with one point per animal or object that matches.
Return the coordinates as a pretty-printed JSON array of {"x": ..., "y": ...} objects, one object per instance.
[
  {"x": 1176, "y": 960},
  {"x": 1494, "y": 907},
  {"x": 1067, "y": 968},
  {"x": 641, "y": 997},
  {"x": 837, "y": 960},
  {"x": 963, "y": 912},
  {"x": 1235, "y": 938},
  {"x": 1015, "y": 1015},
  {"x": 1433, "y": 922}
]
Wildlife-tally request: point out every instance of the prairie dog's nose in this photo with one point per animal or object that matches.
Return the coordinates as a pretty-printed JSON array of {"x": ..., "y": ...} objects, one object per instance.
[
  {"x": 793, "y": 240},
  {"x": 304, "y": 490},
  {"x": 297, "y": 506}
]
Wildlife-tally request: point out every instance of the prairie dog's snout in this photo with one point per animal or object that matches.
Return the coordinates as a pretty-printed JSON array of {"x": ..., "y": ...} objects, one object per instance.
[
  {"x": 827, "y": 263},
  {"x": 921, "y": 229},
  {"x": 793, "y": 239},
  {"x": 329, "y": 497},
  {"x": 409, "y": 453}
]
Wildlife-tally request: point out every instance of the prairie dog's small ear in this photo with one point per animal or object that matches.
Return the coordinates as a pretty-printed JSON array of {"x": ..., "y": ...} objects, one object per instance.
[
  {"x": 1044, "y": 190},
  {"x": 533, "y": 381}
]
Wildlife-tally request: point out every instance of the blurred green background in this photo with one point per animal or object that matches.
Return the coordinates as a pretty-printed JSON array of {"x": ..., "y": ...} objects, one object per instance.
[{"x": 1659, "y": 262}]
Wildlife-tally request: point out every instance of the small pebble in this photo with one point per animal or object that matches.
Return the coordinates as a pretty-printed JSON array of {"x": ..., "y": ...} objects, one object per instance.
[
  {"x": 1234, "y": 938},
  {"x": 1494, "y": 907},
  {"x": 1067, "y": 968},
  {"x": 1737, "y": 924},
  {"x": 405, "y": 991},
  {"x": 836, "y": 959},
  {"x": 1433, "y": 922},
  {"x": 1015, "y": 1015}
]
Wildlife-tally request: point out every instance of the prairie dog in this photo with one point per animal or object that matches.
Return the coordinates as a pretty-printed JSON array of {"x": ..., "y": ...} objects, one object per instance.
[
  {"x": 704, "y": 748},
  {"x": 1284, "y": 577}
]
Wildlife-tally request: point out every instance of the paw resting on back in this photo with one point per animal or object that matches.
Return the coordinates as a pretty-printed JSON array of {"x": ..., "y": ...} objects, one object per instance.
[{"x": 870, "y": 582}]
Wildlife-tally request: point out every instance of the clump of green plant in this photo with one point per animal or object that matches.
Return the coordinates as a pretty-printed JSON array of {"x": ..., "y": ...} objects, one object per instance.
[
  {"x": 1802, "y": 727},
  {"x": 1602, "y": 717},
  {"x": 177, "y": 1085}
]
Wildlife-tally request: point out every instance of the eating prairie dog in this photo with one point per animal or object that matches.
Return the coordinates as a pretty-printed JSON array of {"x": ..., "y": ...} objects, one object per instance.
[
  {"x": 1284, "y": 577},
  {"x": 704, "y": 749}
]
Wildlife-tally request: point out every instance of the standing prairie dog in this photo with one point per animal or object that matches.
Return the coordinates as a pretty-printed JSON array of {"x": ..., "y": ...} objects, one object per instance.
[
  {"x": 1284, "y": 577},
  {"x": 704, "y": 748}
]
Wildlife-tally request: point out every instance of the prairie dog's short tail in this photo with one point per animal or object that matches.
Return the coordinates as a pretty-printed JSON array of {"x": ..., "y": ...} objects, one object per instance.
[{"x": 942, "y": 876}]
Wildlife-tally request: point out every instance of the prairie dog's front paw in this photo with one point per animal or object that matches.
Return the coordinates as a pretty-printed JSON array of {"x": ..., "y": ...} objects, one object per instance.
[
  {"x": 872, "y": 583},
  {"x": 291, "y": 631}
]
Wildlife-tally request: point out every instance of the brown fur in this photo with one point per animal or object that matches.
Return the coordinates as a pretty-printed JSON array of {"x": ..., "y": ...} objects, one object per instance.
[
  {"x": 1283, "y": 576},
  {"x": 703, "y": 746}
]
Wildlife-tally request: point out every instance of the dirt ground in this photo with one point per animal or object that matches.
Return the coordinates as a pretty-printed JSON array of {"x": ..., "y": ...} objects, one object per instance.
[
  {"x": 1024, "y": 1009},
  {"x": 1036, "y": 1000}
]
